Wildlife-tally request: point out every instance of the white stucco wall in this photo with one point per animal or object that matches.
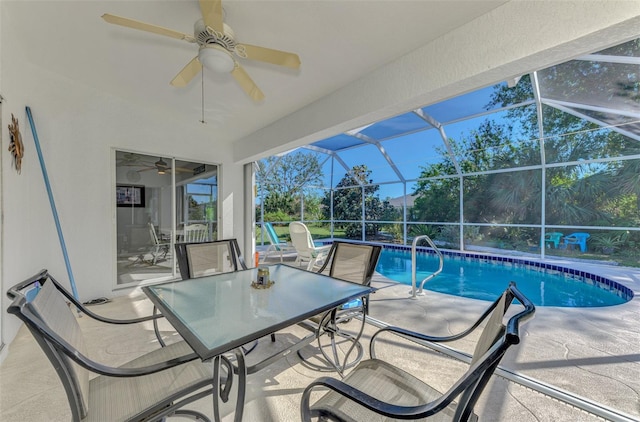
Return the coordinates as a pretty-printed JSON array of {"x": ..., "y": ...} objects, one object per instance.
[{"x": 77, "y": 128}]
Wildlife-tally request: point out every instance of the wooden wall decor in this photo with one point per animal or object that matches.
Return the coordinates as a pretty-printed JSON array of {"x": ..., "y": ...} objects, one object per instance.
[{"x": 15, "y": 145}]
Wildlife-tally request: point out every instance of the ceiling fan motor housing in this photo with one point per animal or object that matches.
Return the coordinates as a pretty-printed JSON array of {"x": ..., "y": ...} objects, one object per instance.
[{"x": 205, "y": 35}]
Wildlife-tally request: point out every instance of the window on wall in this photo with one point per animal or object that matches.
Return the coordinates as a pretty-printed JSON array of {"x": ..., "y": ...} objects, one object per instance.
[{"x": 158, "y": 199}]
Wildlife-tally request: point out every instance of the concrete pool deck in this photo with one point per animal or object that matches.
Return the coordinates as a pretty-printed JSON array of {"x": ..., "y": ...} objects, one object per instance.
[{"x": 593, "y": 353}]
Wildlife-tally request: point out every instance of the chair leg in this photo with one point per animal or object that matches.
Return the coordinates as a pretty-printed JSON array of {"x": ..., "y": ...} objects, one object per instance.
[
  {"x": 191, "y": 414},
  {"x": 311, "y": 263},
  {"x": 248, "y": 350},
  {"x": 328, "y": 326},
  {"x": 156, "y": 329},
  {"x": 333, "y": 363}
]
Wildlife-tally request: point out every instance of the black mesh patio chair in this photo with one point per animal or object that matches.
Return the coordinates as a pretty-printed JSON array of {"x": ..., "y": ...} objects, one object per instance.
[
  {"x": 209, "y": 258},
  {"x": 200, "y": 259},
  {"x": 376, "y": 390},
  {"x": 354, "y": 262},
  {"x": 148, "y": 388}
]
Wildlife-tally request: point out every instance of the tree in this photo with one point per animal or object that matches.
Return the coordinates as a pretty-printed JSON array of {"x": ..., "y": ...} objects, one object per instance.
[
  {"x": 602, "y": 193},
  {"x": 196, "y": 211},
  {"x": 348, "y": 203},
  {"x": 282, "y": 180},
  {"x": 489, "y": 147},
  {"x": 586, "y": 194}
]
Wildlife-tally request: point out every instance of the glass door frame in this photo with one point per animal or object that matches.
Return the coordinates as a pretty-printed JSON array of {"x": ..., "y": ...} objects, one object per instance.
[{"x": 179, "y": 166}]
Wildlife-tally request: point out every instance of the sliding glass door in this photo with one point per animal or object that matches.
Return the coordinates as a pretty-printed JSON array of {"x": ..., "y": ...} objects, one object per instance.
[{"x": 158, "y": 201}]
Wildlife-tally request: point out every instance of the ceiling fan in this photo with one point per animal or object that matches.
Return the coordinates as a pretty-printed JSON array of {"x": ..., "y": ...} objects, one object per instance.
[
  {"x": 216, "y": 48},
  {"x": 161, "y": 166}
]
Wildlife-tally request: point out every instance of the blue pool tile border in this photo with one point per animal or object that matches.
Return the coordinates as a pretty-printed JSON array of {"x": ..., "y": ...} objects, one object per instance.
[
  {"x": 612, "y": 286},
  {"x": 604, "y": 283}
]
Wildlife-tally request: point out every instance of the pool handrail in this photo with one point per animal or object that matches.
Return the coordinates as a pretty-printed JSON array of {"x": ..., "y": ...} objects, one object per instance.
[{"x": 414, "y": 294}]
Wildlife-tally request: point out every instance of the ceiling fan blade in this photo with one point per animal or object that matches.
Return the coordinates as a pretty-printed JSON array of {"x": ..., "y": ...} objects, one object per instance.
[
  {"x": 212, "y": 14},
  {"x": 187, "y": 73},
  {"x": 247, "y": 84},
  {"x": 268, "y": 55},
  {"x": 132, "y": 23},
  {"x": 183, "y": 170}
]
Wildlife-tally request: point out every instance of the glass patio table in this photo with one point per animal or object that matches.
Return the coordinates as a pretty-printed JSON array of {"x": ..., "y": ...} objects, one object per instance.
[{"x": 220, "y": 313}]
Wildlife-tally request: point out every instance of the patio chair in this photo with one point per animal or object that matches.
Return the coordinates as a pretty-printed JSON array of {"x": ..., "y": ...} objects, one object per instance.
[
  {"x": 148, "y": 388},
  {"x": 354, "y": 262},
  {"x": 209, "y": 258},
  {"x": 196, "y": 233},
  {"x": 307, "y": 250},
  {"x": 156, "y": 252},
  {"x": 378, "y": 390},
  {"x": 276, "y": 245},
  {"x": 553, "y": 239},
  {"x": 579, "y": 239}
]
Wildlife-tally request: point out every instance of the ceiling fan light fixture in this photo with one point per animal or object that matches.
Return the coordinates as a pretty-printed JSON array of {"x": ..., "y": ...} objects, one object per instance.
[
  {"x": 216, "y": 58},
  {"x": 161, "y": 165}
]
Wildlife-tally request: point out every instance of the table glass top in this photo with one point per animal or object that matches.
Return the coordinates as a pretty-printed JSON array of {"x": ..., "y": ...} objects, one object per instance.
[{"x": 218, "y": 313}]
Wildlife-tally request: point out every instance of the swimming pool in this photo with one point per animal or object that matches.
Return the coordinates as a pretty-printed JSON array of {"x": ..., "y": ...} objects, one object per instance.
[{"x": 483, "y": 277}]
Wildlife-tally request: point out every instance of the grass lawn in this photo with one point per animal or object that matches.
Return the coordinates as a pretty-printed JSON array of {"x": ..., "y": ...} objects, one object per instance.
[{"x": 317, "y": 232}]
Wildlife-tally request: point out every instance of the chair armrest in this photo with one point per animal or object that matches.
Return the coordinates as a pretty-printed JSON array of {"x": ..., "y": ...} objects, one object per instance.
[
  {"x": 412, "y": 335},
  {"x": 119, "y": 321},
  {"x": 44, "y": 275},
  {"x": 371, "y": 403},
  {"x": 322, "y": 252},
  {"x": 13, "y": 292},
  {"x": 86, "y": 311},
  {"x": 511, "y": 327},
  {"x": 92, "y": 365}
]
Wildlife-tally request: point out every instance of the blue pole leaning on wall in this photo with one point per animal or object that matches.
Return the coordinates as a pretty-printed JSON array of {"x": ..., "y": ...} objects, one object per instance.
[{"x": 53, "y": 204}]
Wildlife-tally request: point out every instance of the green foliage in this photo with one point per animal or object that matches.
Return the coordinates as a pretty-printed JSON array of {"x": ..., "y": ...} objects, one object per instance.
[
  {"x": 608, "y": 242},
  {"x": 450, "y": 235},
  {"x": 348, "y": 204},
  {"x": 196, "y": 211},
  {"x": 312, "y": 208},
  {"x": 606, "y": 193},
  {"x": 277, "y": 216},
  {"x": 472, "y": 234},
  {"x": 416, "y": 230},
  {"x": 282, "y": 180},
  {"x": 396, "y": 230}
]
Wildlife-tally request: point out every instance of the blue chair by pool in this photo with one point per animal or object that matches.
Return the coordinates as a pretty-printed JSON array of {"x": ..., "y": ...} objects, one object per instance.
[
  {"x": 276, "y": 245},
  {"x": 579, "y": 239},
  {"x": 553, "y": 239}
]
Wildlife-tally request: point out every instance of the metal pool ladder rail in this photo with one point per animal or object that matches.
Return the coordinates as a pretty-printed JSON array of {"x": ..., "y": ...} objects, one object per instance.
[{"x": 414, "y": 294}]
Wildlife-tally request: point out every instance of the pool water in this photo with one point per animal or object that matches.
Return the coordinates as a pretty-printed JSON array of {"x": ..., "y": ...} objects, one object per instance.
[{"x": 486, "y": 280}]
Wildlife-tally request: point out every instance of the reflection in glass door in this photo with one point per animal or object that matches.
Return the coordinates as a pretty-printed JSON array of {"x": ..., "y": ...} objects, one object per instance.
[
  {"x": 196, "y": 202},
  {"x": 147, "y": 222}
]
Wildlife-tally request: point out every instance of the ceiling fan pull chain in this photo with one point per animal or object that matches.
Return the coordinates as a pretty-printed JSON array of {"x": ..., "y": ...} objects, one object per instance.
[{"x": 202, "y": 80}]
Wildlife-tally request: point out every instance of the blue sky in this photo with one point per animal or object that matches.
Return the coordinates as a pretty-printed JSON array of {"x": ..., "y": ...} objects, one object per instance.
[{"x": 411, "y": 152}]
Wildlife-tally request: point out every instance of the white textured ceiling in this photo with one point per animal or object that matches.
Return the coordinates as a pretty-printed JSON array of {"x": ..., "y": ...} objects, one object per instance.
[{"x": 337, "y": 41}]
